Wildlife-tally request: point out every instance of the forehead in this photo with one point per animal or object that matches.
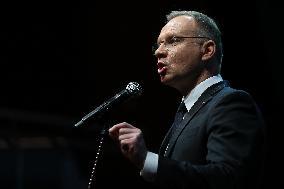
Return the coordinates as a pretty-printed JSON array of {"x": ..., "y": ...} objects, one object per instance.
[{"x": 182, "y": 25}]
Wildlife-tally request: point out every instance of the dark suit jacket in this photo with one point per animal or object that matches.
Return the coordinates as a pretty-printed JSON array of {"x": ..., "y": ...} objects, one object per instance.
[{"x": 219, "y": 144}]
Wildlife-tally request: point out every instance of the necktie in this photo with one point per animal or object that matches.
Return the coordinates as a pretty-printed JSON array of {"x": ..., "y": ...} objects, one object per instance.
[{"x": 178, "y": 118}]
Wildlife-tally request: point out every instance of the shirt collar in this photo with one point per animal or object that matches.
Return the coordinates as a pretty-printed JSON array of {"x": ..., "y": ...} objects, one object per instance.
[{"x": 196, "y": 92}]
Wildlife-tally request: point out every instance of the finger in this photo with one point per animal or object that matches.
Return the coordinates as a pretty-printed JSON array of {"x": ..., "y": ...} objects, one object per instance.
[
  {"x": 127, "y": 130},
  {"x": 119, "y": 129},
  {"x": 119, "y": 126},
  {"x": 126, "y": 136},
  {"x": 114, "y": 130}
]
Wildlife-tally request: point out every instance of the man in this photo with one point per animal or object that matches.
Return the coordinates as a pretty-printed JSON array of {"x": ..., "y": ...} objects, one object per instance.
[{"x": 219, "y": 142}]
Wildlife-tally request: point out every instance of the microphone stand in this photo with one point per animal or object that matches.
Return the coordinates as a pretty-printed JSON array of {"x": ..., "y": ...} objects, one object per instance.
[{"x": 104, "y": 121}]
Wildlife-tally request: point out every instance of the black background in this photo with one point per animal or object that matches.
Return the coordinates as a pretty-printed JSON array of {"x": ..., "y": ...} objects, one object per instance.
[{"x": 60, "y": 60}]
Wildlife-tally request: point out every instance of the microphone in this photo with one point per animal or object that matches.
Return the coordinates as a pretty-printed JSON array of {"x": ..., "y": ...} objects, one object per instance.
[{"x": 132, "y": 89}]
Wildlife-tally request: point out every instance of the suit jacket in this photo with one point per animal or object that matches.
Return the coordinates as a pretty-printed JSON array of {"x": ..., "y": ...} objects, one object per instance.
[{"x": 219, "y": 144}]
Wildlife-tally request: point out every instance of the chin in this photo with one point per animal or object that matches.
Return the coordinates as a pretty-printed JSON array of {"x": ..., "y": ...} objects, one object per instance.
[
  {"x": 167, "y": 81},
  {"x": 163, "y": 79}
]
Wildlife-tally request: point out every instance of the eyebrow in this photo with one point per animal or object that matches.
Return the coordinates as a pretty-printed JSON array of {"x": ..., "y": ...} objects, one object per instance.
[{"x": 178, "y": 36}]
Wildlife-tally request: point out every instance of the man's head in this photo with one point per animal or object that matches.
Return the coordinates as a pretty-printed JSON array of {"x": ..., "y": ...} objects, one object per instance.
[{"x": 189, "y": 50}]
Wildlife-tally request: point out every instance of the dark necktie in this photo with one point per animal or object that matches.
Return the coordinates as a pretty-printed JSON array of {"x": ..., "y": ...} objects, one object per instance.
[{"x": 178, "y": 118}]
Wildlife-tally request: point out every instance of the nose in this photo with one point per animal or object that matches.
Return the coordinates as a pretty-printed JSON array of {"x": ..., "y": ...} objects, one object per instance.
[{"x": 161, "y": 51}]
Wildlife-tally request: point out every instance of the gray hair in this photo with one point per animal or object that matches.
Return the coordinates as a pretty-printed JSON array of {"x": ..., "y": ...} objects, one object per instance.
[{"x": 207, "y": 27}]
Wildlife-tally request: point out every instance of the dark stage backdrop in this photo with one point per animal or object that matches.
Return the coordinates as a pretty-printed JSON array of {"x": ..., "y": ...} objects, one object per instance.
[{"x": 60, "y": 60}]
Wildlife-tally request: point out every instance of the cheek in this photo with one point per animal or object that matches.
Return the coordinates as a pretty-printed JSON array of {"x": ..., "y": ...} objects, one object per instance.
[
  {"x": 181, "y": 58},
  {"x": 181, "y": 54},
  {"x": 185, "y": 62}
]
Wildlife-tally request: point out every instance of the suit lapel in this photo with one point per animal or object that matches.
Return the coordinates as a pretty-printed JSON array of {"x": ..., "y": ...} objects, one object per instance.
[{"x": 203, "y": 99}]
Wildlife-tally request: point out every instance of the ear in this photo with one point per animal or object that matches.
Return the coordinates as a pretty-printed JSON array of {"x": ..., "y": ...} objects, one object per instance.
[{"x": 208, "y": 50}]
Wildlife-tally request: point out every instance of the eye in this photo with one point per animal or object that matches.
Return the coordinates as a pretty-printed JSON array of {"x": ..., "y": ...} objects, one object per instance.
[{"x": 174, "y": 40}]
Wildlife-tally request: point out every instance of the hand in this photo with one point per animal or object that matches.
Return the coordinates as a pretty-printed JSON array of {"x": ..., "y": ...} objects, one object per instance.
[{"x": 131, "y": 142}]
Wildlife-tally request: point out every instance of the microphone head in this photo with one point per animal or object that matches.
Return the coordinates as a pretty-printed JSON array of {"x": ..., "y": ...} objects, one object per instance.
[{"x": 133, "y": 88}]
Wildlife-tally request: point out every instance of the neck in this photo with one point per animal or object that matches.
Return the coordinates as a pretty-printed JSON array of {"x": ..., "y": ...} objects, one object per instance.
[{"x": 189, "y": 85}]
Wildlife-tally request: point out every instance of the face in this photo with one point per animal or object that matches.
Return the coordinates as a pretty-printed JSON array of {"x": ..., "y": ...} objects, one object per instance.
[{"x": 179, "y": 59}]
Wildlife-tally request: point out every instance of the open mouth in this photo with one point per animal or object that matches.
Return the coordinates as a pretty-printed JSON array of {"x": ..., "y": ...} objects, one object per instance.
[{"x": 162, "y": 69}]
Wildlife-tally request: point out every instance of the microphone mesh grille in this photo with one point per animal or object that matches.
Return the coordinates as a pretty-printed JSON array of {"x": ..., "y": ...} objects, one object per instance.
[{"x": 134, "y": 88}]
